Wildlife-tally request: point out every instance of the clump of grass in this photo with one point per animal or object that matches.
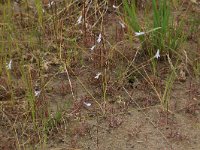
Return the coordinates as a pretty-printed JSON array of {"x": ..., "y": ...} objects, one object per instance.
[
  {"x": 132, "y": 18},
  {"x": 161, "y": 33},
  {"x": 164, "y": 94},
  {"x": 27, "y": 79},
  {"x": 52, "y": 122},
  {"x": 161, "y": 14},
  {"x": 168, "y": 87},
  {"x": 39, "y": 8}
]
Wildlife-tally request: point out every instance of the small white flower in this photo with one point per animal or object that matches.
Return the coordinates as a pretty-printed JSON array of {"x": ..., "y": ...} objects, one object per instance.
[
  {"x": 116, "y": 7},
  {"x": 139, "y": 33},
  {"x": 97, "y": 75},
  {"x": 87, "y": 104},
  {"x": 122, "y": 25},
  {"x": 37, "y": 93},
  {"x": 79, "y": 20},
  {"x": 157, "y": 54},
  {"x": 9, "y": 65},
  {"x": 50, "y": 4},
  {"x": 92, "y": 48},
  {"x": 99, "y": 38}
]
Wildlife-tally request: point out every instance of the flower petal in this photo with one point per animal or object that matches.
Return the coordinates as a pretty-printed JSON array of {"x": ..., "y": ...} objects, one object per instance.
[
  {"x": 37, "y": 93},
  {"x": 97, "y": 75},
  {"x": 79, "y": 19},
  {"x": 157, "y": 54},
  {"x": 139, "y": 33},
  {"x": 9, "y": 65},
  {"x": 87, "y": 104},
  {"x": 99, "y": 38},
  {"x": 92, "y": 48}
]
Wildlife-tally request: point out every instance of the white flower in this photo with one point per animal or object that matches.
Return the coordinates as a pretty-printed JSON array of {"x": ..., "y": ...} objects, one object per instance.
[
  {"x": 87, "y": 104},
  {"x": 139, "y": 33},
  {"x": 50, "y": 4},
  {"x": 92, "y": 48},
  {"x": 9, "y": 65},
  {"x": 99, "y": 38},
  {"x": 157, "y": 54},
  {"x": 116, "y": 7},
  {"x": 97, "y": 75},
  {"x": 122, "y": 25},
  {"x": 79, "y": 19},
  {"x": 37, "y": 93}
]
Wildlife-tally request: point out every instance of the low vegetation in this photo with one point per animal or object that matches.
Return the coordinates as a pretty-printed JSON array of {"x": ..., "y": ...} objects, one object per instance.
[{"x": 107, "y": 74}]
